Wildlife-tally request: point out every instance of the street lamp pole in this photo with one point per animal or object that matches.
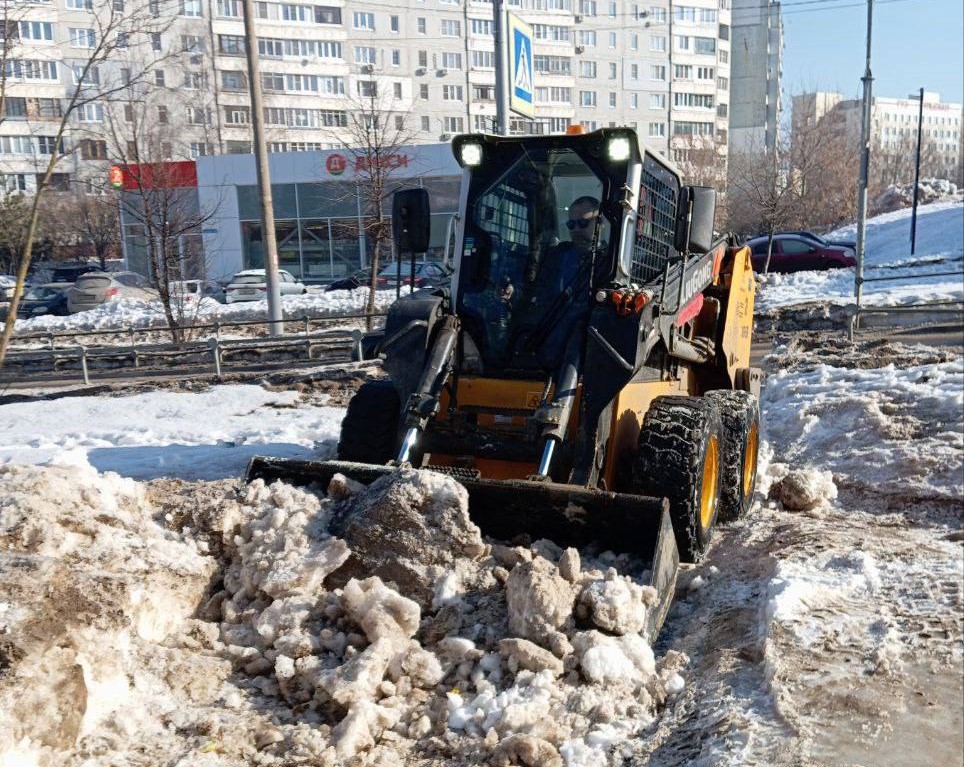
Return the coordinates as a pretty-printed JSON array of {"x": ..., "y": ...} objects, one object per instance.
[
  {"x": 275, "y": 317},
  {"x": 867, "y": 80}
]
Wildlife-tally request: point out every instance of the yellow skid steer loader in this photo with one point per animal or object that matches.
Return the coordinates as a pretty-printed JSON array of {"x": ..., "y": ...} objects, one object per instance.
[{"x": 586, "y": 376}]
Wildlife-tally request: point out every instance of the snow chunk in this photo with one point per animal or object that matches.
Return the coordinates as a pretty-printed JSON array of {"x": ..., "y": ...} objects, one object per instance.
[
  {"x": 617, "y": 604},
  {"x": 382, "y": 612},
  {"x": 539, "y": 599},
  {"x": 805, "y": 489}
]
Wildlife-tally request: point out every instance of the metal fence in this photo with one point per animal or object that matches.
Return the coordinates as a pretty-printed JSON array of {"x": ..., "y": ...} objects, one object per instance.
[{"x": 38, "y": 356}]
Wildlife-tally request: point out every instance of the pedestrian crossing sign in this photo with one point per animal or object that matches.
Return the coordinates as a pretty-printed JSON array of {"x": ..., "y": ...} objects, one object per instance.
[{"x": 521, "y": 99}]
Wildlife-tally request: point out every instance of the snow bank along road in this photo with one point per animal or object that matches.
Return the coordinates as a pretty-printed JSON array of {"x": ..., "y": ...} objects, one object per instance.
[{"x": 150, "y": 619}]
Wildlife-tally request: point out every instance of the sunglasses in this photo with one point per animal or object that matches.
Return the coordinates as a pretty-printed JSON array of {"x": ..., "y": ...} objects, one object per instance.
[{"x": 580, "y": 223}]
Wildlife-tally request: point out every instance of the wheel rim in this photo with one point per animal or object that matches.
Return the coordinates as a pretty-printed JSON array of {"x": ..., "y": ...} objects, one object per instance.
[
  {"x": 708, "y": 495},
  {"x": 749, "y": 459}
]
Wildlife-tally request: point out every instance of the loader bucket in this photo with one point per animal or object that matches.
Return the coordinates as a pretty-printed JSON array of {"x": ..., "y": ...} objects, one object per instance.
[{"x": 566, "y": 514}]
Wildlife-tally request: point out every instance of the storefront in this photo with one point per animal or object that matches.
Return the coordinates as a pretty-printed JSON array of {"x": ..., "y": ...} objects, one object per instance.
[{"x": 319, "y": 201}]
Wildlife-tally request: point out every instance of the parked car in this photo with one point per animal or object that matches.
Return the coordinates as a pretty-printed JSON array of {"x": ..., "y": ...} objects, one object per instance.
[
  {"x": 94, "y": 288},
  {"x": 70, "y": 271},
  {"x": 427, "y": 274},
  {"x": 360, "y": 279},
  {"x": 7, "y": 283},
  {"x": 191, "y": 291},
  {"x": 825, "y": 242},
  {"x": 793, "y": 253},
  {"x": 45, "y": 299},
  {"x": 251, "y": 285}
]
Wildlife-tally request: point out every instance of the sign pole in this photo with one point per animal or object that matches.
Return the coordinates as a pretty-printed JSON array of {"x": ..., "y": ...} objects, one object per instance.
[
  {"x": 501, "y": 70},
  {"x": 913, "y": 215}
]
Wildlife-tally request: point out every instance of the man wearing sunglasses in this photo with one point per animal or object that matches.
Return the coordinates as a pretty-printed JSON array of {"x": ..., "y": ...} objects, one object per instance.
[{"x": 570, "y": 256}]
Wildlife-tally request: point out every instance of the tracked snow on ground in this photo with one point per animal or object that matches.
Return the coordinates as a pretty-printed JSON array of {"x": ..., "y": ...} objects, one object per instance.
[{"x": 940, "y": 248}]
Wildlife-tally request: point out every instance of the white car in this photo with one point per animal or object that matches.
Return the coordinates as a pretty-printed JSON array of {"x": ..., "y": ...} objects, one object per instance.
[{"x": 251, "y": 285}]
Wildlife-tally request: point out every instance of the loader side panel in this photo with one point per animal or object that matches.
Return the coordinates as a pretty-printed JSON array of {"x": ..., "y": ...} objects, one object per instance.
[
  {"x": 738, "y": 314},
  {"x": 628, "y": 412}
]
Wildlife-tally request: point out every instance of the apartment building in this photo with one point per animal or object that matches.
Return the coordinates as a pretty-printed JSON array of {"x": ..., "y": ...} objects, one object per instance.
[
  {"x": 430, "y": 64},
  {"x": 894, "y": 125},
  {"x": 756, "y": 75}
]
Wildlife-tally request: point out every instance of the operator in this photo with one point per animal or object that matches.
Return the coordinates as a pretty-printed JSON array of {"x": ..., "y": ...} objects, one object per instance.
[{"x": 564, "y": 286}]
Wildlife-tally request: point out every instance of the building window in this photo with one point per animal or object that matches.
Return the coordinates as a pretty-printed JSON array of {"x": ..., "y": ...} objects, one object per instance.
[
  {"x": 480, "y": 27},
  {"x": 393, "y": 24},
  {"x": 13, "y": 182},
  {"x": 396, "y": 57},
  {"x": 657, "y": 130},
  {"x": 326, "y": 14},
  {"x": 229, "y": 8},
  {"x": 159, "y": 77},
  {"x": 724, "y": 56},
  {"x": 363, "y": 20},
  {"x": 155, "y": 41},
  {"x": 657, "y": 14},
  {"x": 83, "y": 38},
  {"x": 367, "y": 89},
  {"x": 612, "y": 39},
  {"x": 682, "y": 42},
  {"x": 162, "y": 117},
  {"x": 634, "y": 71},
  {"x": 613, "y": 70},
  {"x": 80, "y": 5},
  {"x": 128, "y": 113},
  {"x": 451, "y": 28},
  {"x": 423, "y": 91},
  {"x": 452, "y": 93},
  {"x": 93, "y": 150},
  {"x": 587, "y": 68},
  {"x": 420, "y": 25},
  {"x": 485, "y": 59},
  {"x": 234, "y": 81},
  {"x": 191, "y": 8},
  {"x": 454, "y": 124},
  {"x": 90, "y": 113},
  {"x": 657, "y": 72},
  {"x": 36, "y": 30},
  {"x": 364, "y": 55},
  {"x": 587, "y": 98},
  {"x": 657, "y": 43},
  {"x": 682, "y": 72},
  {"x": 587, "y": 37},
  {"x": 192, "y": 44},
  {"x": 233, "y": 45},
  {"x": 195, "y": 81},
  {"x": 200, "y": 149},
  {"x": 397, "y": 90},
  {"x": 612, "y": 99},
  {"x": 705, "y": 73},
  {"x": 634, "y": 100},
  {"x": 657, "y": 101},
  {"x": 705, "y": 45},
  {"x": 451, "y": 60},
  {"x": 426, "y": 123}
]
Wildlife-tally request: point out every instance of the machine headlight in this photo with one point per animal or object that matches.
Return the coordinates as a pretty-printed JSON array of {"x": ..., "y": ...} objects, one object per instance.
[
  {"x": 471, "y": 154},
  {"x": 618, "y": 149}
]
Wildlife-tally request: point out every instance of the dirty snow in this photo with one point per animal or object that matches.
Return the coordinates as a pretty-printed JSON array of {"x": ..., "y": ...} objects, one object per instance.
[{"x": 940, "y": 248}]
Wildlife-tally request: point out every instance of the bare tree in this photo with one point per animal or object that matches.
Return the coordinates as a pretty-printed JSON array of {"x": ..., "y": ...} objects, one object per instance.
[
  {"x": 95, "y": 80},
  {"x": 377, "y": 129},
  {"x": 98, "y": 221}
]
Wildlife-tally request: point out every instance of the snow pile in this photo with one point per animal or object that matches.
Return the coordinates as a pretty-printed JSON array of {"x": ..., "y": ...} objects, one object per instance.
[
  {"x": 887, "y": 431},
  {"x": 929, "y": 190},
  {"x": 940, "y": 248},
  {"x": 306, "y": 647},
  {"x": 89, "y": 585},
  {"x": 137, "y": 313}
]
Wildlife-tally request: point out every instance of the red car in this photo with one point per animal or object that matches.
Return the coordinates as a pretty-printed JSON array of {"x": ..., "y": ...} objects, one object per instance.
[{"x": 793, "y": 253}]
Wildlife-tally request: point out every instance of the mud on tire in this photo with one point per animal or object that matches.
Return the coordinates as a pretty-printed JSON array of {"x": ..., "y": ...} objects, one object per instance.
[
  {"x": 679, "y": 458},
  {"x": 369, "y": 430},
  {"x": 740, "y": 414}
]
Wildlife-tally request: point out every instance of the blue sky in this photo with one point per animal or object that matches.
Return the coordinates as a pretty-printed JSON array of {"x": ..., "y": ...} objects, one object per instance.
[{"x": 916, "y": 43}]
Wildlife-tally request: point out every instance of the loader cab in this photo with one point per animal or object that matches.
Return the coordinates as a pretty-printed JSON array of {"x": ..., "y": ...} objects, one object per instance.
[{"x": 524, "y": 272}]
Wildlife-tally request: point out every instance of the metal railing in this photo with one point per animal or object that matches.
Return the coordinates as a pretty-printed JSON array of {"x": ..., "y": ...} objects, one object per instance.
[{"x": 37, "y": 355}]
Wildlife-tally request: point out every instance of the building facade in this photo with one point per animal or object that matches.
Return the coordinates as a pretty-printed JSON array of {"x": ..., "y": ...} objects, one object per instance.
[
  {"x": 894, "y": 125},
  {"x": 175, "y": 87},
  {"x": 756, "y": 76}
]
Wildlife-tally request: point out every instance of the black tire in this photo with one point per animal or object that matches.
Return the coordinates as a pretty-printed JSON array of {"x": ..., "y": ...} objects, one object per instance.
[
  {"x": 679, "y": 459},
  {"x": 369, "y": 431},
  {"x": 740, "y": 413}
]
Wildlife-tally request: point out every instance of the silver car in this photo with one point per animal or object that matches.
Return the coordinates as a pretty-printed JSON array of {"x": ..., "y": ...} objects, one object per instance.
[
  {"x": 252, "y": 285},
  {"x": 94, "y": 288}
]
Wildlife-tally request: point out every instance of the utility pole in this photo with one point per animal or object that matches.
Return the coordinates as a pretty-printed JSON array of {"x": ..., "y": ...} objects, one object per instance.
[
  {"x": 913, "y": 215},
  {"x": 275, "y": 317},
  {"x": 867, "y": 80},
  {"x": 501, "y": 69}
]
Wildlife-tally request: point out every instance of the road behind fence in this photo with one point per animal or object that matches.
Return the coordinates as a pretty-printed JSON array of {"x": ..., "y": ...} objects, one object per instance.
[{"x": 86, "y": 354}]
